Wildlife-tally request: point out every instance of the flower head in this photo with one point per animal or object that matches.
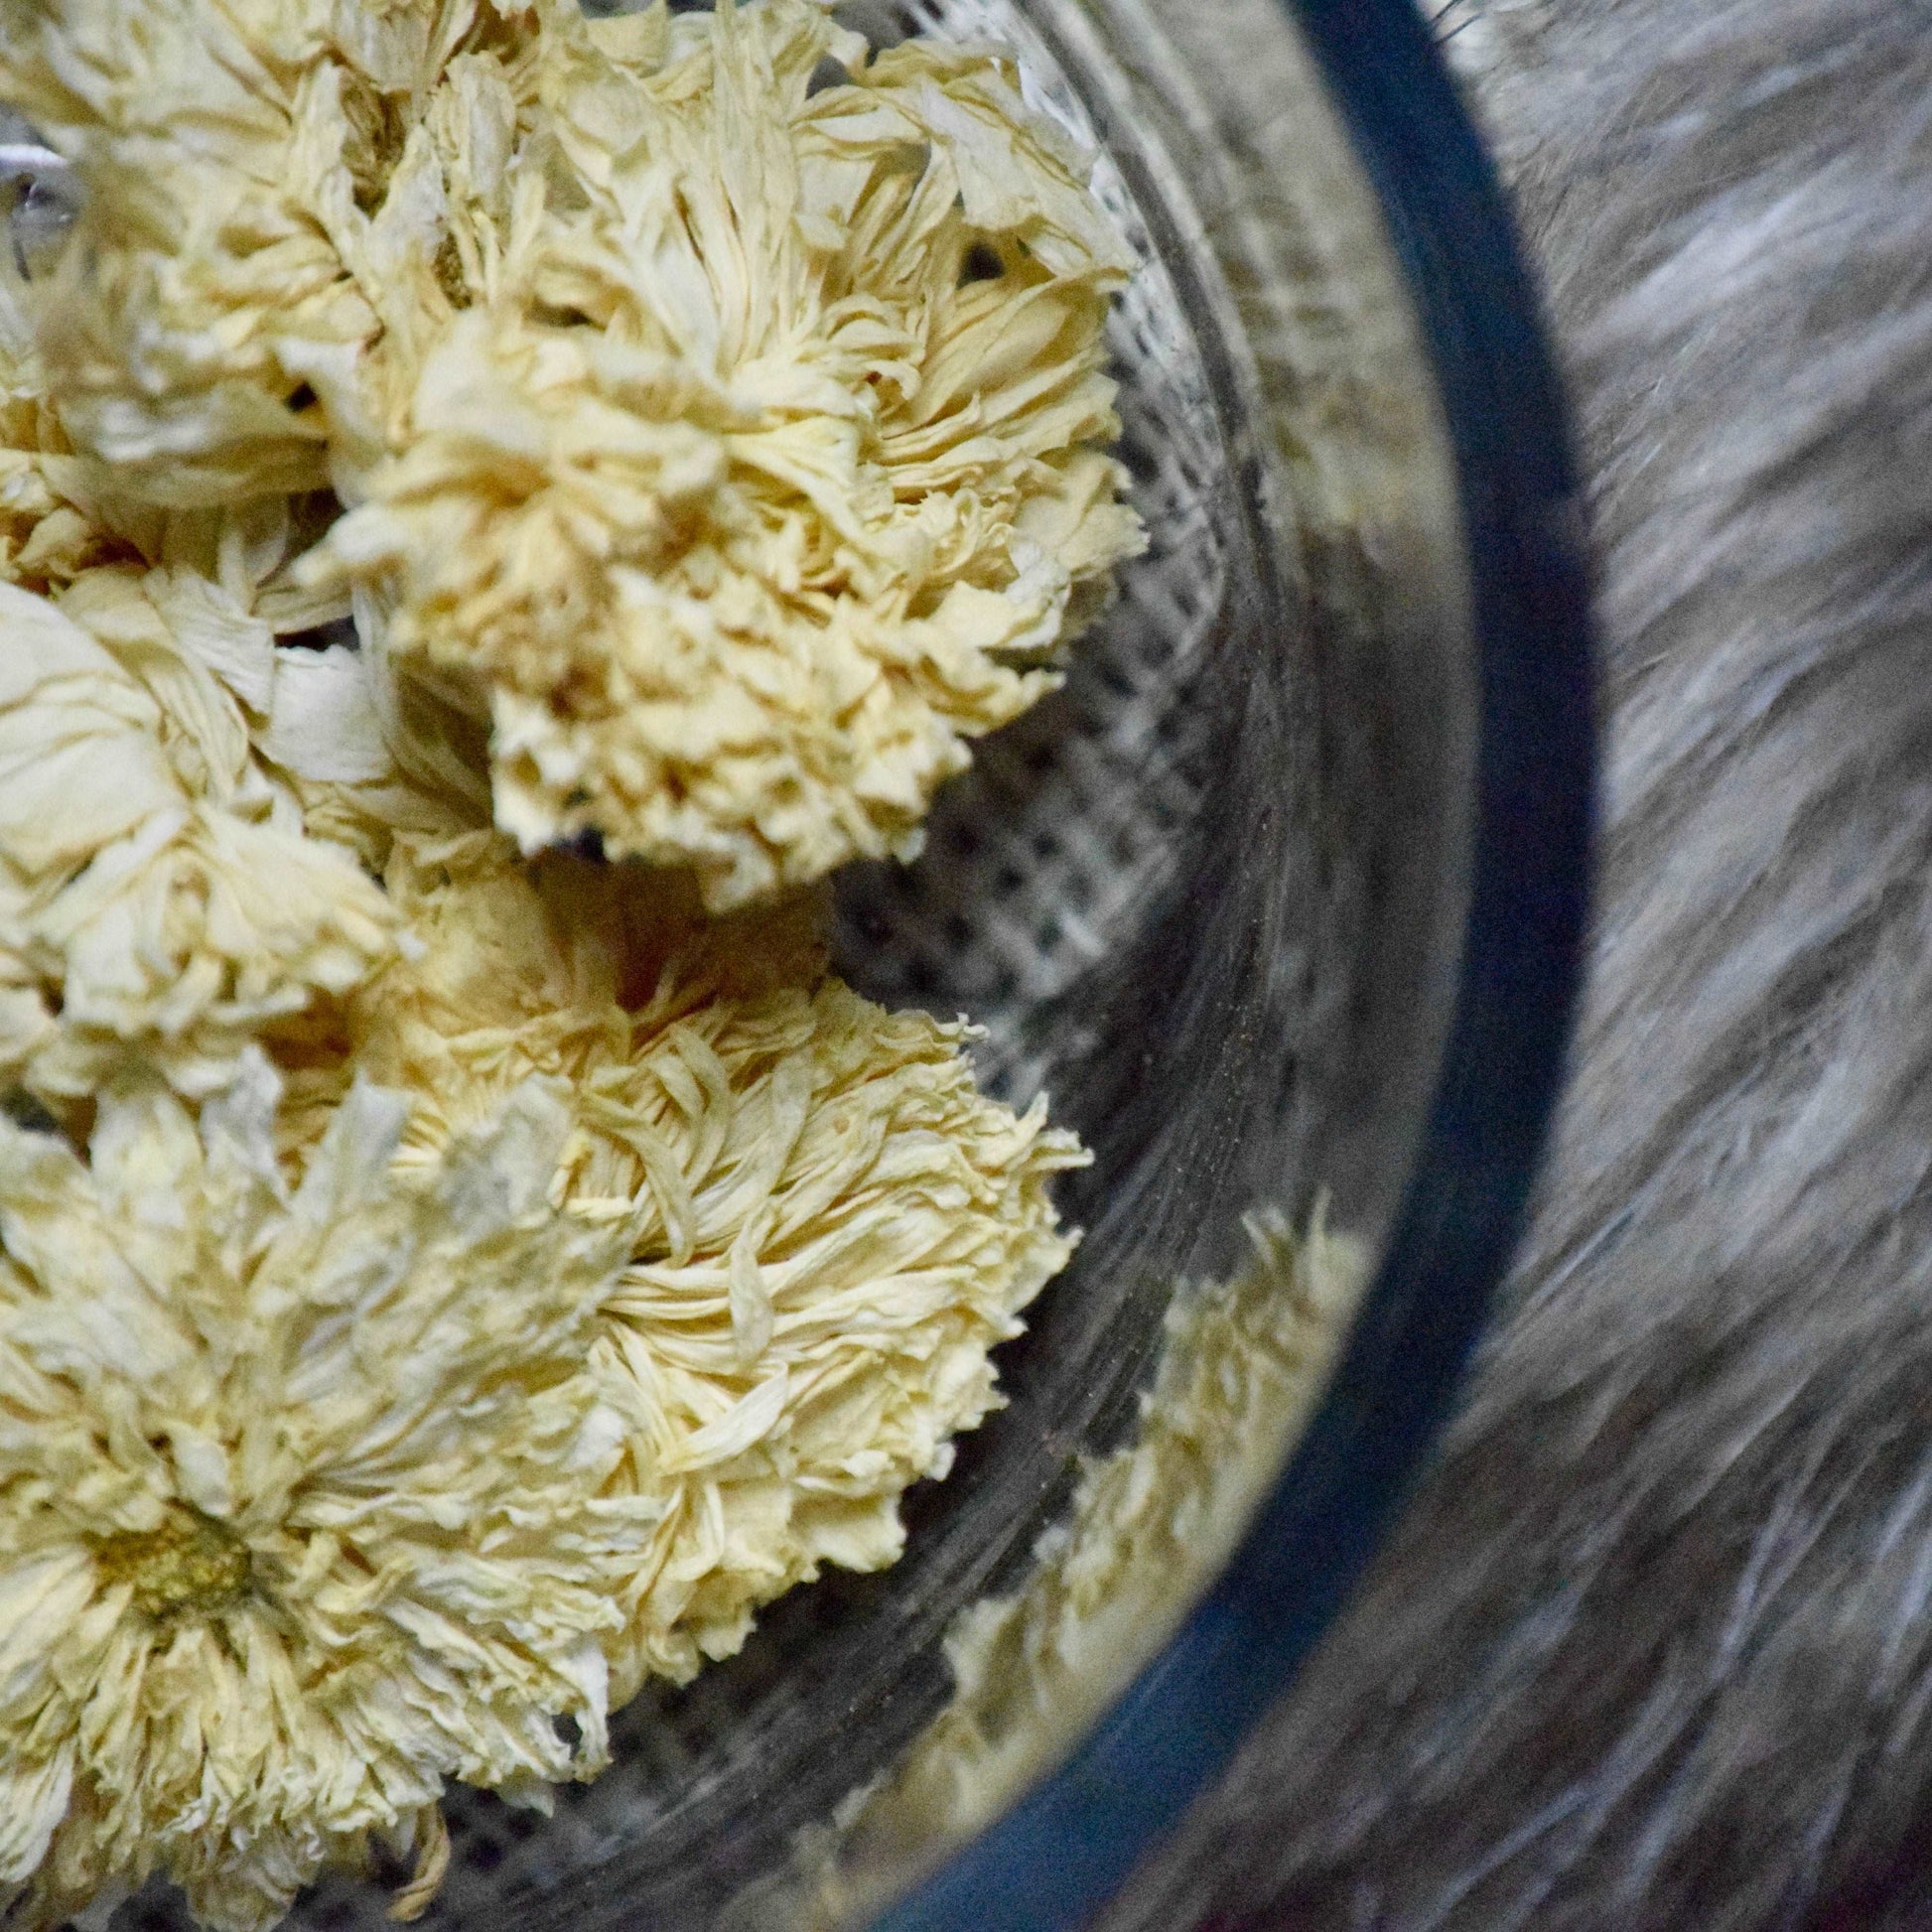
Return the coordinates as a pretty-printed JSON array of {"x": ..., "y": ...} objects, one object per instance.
[
  {"x": 264, "y": 233},
  {"x": 775, "y": 462},
  {"x": 830, "y": 1226},
  {"x": 159, "y": 898},
  {"x": 50, "y": 530},
  {"x": 297, "y": 1511}
]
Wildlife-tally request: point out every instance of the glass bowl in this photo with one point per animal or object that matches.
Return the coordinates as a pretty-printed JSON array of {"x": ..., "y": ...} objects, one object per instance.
[{"x": 1281, "y": 900}]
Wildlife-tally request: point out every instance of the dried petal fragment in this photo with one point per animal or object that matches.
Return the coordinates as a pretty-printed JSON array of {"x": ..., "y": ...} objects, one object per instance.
[
  {"x": 297, "y": 1494},
  {"x": 832, "y": 1226},
  {"x": 369, "y": 755}
]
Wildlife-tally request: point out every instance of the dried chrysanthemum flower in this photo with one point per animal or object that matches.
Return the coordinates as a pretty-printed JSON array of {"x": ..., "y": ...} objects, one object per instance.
[
  {"x": 843, "y": 1230},
  {"x": 771, "y": 466},
  {"x": 159, "y": 898},
  {"x": 299, "y": 1494},
  {"x": 1242, "y": 1365},
  {"x": 262, "y": 204},
  {"x": 63, "y": 512},
  {"x": 745, "y": 445},
  {"x": 831, "y": 1225}
]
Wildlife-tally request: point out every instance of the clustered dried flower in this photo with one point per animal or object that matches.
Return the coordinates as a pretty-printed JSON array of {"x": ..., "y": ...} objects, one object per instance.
[
  {"x": 733, "y": 446},
  {"x": 159, "y": 898},
  {"x": 447, "y": 1280}
]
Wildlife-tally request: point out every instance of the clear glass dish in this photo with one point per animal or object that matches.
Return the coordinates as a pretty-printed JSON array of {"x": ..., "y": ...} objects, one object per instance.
[{"x": 1281, "y": 900}]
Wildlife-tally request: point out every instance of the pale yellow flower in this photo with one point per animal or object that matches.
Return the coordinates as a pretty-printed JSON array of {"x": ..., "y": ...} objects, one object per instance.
[
  {"x": 64, "y": 511},
  {"x": 298, "y": 1511},
  {"x": 1243, "y": 1363},
  {"x": 769, "y": 472},
  {"x": 261, "y": 205},
  {"x": 832, "y": 1226},
  {"x": 160, "y": 902},
  {"x": 61, "y": 514}
]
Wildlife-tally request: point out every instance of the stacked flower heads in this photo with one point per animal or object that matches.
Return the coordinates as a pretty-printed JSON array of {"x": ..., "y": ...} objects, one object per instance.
[
  {"x": 447, "y": 1281},
  {"x": 733, "y": 445}
]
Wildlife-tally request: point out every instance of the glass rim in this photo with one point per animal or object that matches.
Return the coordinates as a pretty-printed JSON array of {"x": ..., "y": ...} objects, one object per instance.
[{"x": 1066, "y": 1845}]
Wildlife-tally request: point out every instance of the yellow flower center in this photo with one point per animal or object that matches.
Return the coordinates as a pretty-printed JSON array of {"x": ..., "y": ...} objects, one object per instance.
[{"x": 190, "y": 1563}]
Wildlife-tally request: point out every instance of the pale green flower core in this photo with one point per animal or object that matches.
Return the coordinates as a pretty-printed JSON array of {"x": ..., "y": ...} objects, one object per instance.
[{"x": 191, "y": 1566}]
